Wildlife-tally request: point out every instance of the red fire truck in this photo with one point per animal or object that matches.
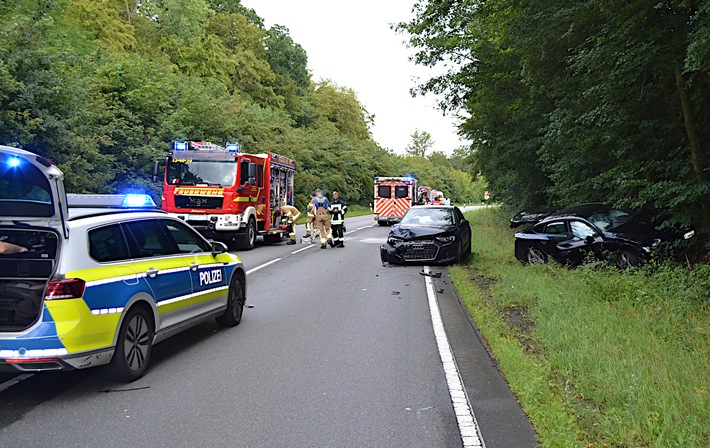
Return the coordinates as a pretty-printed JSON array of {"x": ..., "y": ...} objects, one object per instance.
[
  {"x": 393, "y": 197},
  {"x": 228, "y": 195}
]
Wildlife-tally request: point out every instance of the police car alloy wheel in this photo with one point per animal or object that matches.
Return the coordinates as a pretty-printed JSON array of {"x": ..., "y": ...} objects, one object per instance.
[
  {"x": 134, "y": 346},
  {"x": 235, "y": 304}
]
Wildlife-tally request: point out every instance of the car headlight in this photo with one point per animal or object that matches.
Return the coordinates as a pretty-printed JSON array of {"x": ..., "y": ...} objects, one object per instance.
[
  {"x": 392, "y": 241},
  {"x": 446, "y": 239}
]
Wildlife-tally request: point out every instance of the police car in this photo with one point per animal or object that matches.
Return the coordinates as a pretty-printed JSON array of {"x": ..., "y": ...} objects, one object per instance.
[{"x": 102, "y": 279}]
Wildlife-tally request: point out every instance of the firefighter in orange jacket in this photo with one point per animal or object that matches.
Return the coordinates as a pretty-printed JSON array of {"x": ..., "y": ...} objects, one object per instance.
[
  {"x": 292, "y": 214},
  {"x": 338, "y": 208},
  {"x": 322, "y": 218}
]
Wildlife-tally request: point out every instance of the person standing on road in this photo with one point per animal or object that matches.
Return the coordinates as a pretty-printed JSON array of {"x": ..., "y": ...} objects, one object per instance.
[
  {"x": 338, "y": 208},
  {"x": 311, "y": 215},
  {"x": 322, "y": 218},
  {"x": 292, "y": 214}
]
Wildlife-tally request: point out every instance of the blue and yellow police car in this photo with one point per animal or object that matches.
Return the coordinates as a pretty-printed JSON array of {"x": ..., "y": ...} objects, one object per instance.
[{"x": 88, "y": 280}]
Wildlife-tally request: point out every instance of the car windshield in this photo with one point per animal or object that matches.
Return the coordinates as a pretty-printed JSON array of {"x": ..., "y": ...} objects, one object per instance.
[
  {"x": 610, "y": 218},
  {"x": 202, "y": 172},
  {"x": 432, "y": 217}
]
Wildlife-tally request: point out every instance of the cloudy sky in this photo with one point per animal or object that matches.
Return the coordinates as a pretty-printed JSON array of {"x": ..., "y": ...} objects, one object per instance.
[{"x": 351, "y": 44}]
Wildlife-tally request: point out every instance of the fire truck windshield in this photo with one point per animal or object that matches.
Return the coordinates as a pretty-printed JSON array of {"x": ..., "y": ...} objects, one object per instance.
[{"x": 220, "y": 173}]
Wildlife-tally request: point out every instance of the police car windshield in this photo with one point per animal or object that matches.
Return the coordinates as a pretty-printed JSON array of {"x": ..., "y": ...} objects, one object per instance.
[
  {"x": 202, "y": 172},
  {"x": 24, "y": 190}
]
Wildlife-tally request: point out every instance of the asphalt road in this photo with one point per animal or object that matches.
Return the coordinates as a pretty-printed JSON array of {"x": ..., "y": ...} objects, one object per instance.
[{"x": 334, "y": 350}]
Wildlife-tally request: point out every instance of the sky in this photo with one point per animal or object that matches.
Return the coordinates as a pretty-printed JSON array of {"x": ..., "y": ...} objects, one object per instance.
[{"x": 351, "y": 44}]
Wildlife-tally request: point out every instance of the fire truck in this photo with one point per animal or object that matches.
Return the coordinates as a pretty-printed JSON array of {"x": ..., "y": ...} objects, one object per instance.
[
  {"x": 393, "y": 197},
  {"x": 225, "y": 194}
]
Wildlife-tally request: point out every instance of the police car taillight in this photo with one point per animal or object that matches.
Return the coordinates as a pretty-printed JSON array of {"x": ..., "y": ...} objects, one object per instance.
[{"x": 65, "y": 289}]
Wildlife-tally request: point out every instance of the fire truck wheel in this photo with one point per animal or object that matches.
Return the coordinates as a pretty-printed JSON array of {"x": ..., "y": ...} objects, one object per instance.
[{"x": 247, "y": 239}]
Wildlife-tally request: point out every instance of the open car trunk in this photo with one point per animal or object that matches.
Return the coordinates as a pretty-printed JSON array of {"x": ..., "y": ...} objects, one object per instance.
[{"x": 24, "y": 275}]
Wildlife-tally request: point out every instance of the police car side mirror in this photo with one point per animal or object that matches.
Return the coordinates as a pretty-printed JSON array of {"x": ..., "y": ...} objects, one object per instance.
[{"x": 218, "y": 247}]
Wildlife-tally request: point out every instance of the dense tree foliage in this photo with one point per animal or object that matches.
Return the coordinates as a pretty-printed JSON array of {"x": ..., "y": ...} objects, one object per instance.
[
  {"x": 568, "y": 102},
  {"x": 102, "y": 87}
]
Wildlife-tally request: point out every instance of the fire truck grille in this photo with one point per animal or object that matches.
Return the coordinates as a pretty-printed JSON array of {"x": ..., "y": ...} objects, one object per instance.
[
  {"x": 420, "y": 251},
  {"x": 198, "y": 202}
]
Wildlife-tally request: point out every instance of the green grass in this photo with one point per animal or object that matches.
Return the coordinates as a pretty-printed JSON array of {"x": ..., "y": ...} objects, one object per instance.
[{"x": 596, "y": 357}]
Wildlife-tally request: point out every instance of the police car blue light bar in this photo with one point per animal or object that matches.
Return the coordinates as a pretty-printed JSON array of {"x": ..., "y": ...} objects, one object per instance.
[
  {"x": 110, "y": 201},
  {"x": 13, "y": 162},
  {"x": 180, "y": 146}
]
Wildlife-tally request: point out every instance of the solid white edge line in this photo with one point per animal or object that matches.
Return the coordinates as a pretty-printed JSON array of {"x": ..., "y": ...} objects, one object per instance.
[
  {"x": 263, "y": 266},
  {"x": 468, "y": 426},
  {"x": 18, "y": 379}
]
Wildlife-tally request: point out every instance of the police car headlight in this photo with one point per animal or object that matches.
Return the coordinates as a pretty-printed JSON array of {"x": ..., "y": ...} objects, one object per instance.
[{"x": 446, "y": 239}]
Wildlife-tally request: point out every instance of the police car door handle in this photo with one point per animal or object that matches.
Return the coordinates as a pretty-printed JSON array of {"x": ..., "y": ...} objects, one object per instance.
[
  {"x": 194, "y": 267},
  {"x": 151, "y": 272}
]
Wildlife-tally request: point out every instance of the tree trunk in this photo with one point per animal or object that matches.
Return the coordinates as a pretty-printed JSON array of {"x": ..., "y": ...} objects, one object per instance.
[{"x": 694, "y": 142}]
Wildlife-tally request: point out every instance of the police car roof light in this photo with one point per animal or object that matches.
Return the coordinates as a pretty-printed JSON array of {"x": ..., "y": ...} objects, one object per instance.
[
  {"x": 110, "y": 201},
  {"x": 13, "y": 162},
  {"x": 138, "y": 200}
]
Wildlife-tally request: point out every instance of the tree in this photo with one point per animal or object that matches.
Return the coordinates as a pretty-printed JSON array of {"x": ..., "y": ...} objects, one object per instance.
[{"x": 420, "y": 144}]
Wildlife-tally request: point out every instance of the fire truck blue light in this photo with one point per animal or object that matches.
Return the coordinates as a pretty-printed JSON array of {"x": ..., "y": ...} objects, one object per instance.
[{"x": 180, "y": 146}]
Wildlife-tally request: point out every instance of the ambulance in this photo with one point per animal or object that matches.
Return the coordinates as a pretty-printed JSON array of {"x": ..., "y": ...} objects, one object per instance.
[{"x": 393, "y": 197}]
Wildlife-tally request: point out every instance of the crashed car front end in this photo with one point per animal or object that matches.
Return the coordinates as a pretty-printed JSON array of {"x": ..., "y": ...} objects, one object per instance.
[{"x": 421, "y": 245}]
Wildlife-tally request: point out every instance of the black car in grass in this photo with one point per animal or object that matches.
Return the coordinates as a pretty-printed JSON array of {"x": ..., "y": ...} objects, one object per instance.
[
  {"x": 436, "y": 234},
  {"x": 572, "y": 235}
]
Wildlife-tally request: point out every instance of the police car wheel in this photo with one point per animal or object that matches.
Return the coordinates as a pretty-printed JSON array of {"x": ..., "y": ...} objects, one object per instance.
[
  {"x": 134, "y": 346},
  {"x": 235, "y": 304}
]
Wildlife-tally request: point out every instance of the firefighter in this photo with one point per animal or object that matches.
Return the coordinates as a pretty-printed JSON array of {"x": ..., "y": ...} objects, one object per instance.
[
  {"x": 292, "y": 214},
  {"x": 311, "y": 211},
  {"x": 338, "y": 208},
  {"x": 322, "y": 218}
]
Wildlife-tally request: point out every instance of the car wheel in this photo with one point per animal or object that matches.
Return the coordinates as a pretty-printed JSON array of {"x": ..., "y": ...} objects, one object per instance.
[
  {"x": 248, "y": 239},
  {"x": 626, "y": 259},
  {"x": 235, "y": 304},
  {"x": 133, "y": 346},
  {"x": 536, "y": 256},
  {"x": 458, "y": 258}
]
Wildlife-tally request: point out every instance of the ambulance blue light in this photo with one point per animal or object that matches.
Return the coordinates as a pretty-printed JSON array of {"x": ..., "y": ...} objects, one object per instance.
[
  {"x": 180, "y": 146},
  {"x": 13, "y": 162},
  {"x": 138, "y": 200}
]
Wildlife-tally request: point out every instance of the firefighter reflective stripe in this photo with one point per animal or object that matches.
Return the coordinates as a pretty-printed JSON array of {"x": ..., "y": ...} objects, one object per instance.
[{"x": 337, "y": 217}]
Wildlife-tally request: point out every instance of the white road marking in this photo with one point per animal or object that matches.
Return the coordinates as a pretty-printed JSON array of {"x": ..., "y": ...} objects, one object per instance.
[
  {"x": 301, "y": 250},
  {"x": 468, "y": 426},
  {"x": 18, "y": 379},
  {"x": 250, "y": 271}
]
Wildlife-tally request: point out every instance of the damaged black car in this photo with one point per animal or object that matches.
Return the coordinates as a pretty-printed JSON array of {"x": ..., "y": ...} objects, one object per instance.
[
  {"x": 428, "y": 234},
  {"x": 600, "y": 232}
]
